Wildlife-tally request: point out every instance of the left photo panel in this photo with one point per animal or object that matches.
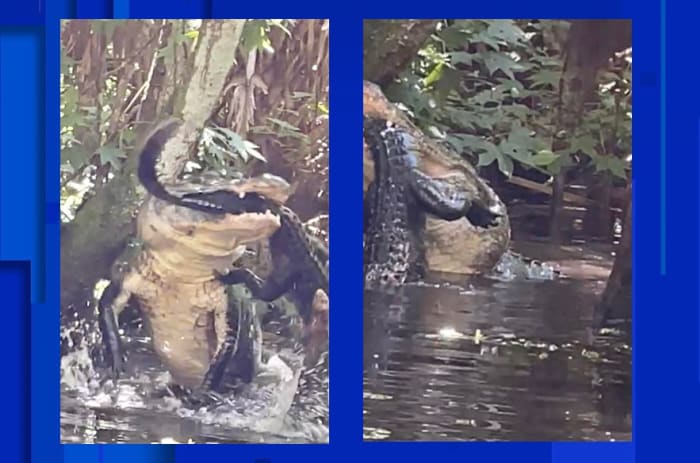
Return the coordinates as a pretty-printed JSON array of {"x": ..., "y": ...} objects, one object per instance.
[{"x": 194, "y": 231}]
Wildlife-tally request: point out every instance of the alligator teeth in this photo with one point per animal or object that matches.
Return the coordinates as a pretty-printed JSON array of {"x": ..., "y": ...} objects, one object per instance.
[{"x": 241, "y": 194}]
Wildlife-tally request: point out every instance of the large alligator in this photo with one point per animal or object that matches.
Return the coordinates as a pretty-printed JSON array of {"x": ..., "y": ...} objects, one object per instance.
[
  {"x": 469, "y": 245},
  {"x": 192, "y": 234},
  {"x": 396, "y": 206},
  {"x": 173, "y": 281}
]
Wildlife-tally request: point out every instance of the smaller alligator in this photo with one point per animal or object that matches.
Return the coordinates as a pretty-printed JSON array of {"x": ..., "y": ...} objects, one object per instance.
[
  {"x": 393, "y": 251},
  {"x": 397, "y": 202}
]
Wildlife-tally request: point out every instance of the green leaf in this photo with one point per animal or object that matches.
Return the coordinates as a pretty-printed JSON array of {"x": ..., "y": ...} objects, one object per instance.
[
  {"x": 462, "y": 57},
  {"x": 322, "y": 107},
  {"x": 282, "y": 124},
  {"x": 491, "y": 152},
  {"x": 193, "y": 34},
  {"x": 507, "y": 31},
  {"x": 111, "y": 154},
  {"x": 434, "y": 75},
  {"x": 518, "y": 111},
  {"x": 279, "y": 23},
  {"x": 505, "y": 165},
  {"x": 515, "y": 151},
  {"x": 252, "y": 150},
  {"x": 454, "y": 37},
  {"x": 254, "y": 36},
  {"x": 486, "y": 158},
  {"x": 496, "y": 61},
  {"x": 545, "y": 77},
  {"x": 75, "y": 155},
  {"x": 244, "y": 148},
  {"x": 584, "y": 143},
  {"x": 618, "y": 167},
  {"x": 543, "y": 158},
  {"x": 449, "y": 81}
]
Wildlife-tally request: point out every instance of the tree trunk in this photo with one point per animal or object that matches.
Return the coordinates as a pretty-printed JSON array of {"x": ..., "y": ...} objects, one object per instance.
[
  {"x": 589, "y": 46},
  {"x": 616, "y": 301},
  {"x": 91, "y": 242},
  {"x": 598, "y": 219},
  {"x": 390, "y": 45}
]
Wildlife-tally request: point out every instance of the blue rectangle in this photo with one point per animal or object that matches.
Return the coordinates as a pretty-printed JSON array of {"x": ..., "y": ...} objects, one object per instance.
[
  {"x": 14, "y": 287},
  {"x": 176, "y": 9},
  {"x": 579, "y": 452},
  {"x": 118, "y": 453},
  {"x": 21, "y": 172},
  {"x": 29, "y": 13},
  {"x": 93, "y": 9}
]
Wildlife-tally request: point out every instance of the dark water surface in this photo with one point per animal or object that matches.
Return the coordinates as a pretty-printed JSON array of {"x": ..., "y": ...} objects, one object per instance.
[{"x": 497, "y": 360}]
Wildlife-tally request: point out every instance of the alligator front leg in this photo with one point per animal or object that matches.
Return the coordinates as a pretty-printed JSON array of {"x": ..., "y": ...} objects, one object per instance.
[
  {"x": 275, "y": 286},
  {"x": 113, "y": 299},
  {"x": 449, "y": 202},
  {"x": 439, "y": 197},
  {"x": 239, "y": 355}
]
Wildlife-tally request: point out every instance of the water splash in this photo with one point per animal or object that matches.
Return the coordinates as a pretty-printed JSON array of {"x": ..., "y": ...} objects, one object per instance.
[
  {"x": 139, "y": 407},
  {"x": 513, "y": 267}
]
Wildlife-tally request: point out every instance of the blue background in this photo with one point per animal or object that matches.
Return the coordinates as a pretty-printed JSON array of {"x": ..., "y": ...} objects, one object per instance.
[{"x": 666, "y": 342}]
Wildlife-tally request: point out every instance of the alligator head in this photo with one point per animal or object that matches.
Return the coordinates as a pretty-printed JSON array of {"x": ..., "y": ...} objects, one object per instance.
[{"x": 192, "y": 245}]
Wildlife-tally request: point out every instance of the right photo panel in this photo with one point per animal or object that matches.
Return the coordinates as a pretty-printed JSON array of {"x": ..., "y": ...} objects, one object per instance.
[{"x": 497, "y": 230}]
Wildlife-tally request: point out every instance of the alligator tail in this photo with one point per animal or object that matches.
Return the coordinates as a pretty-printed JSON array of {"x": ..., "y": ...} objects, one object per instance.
[{"x": 150, "y": 153}]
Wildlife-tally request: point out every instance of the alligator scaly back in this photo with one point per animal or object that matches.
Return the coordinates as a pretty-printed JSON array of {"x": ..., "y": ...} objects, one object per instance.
[{"x": 392, "y": 249}]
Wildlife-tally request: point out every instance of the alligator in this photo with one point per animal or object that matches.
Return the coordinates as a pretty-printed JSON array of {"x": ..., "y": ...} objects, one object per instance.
[
  {"x": 470, "y": 244},
  {"x": 300, "y": 261},
  {"x": 173, "y": 281},
  {"x": 393, "y": 245},
  {"x": 192, "y": 234},
  {"x": 396, "y": 206}
]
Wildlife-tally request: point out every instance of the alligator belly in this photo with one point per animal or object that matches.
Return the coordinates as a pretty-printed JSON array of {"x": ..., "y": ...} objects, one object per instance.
[
  {"x": 186, "y": 325},
  {"x": 459, "y": 247}
]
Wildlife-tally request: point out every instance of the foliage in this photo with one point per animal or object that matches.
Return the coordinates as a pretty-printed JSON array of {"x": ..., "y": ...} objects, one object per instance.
[
  {"x": 107, "y": 70},
  {"x": 489, "y": 89}
]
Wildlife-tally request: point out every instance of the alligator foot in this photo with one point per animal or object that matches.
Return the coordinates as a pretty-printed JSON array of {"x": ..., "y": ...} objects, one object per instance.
[
  {"x": 238, "y": 358},
  {"x": 111, "y": 352}
]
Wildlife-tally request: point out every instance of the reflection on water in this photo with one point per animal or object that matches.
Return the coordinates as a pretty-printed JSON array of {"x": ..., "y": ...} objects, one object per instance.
[{"x": 498, "y": 360}]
